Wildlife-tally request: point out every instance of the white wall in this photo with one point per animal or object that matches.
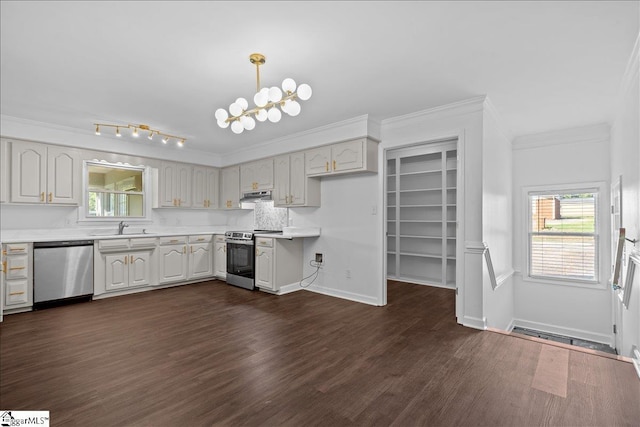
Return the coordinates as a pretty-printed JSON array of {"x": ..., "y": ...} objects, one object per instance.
[
  {"x": 497, "y": 230},
  {"x": 625, "y": 162},
  {"x": 564, "y": 157}
]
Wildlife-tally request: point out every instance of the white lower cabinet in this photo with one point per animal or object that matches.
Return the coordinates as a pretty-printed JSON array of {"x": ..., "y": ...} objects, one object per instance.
[
  {"x": 127, "y": 270},
  {"x": 219, "y": 257},
  {"x": 121, "y": 264},
  {"x": 18, "y": 280},
  {"x": 183, "y": 258},
  {"x": 278, "y": 263}
]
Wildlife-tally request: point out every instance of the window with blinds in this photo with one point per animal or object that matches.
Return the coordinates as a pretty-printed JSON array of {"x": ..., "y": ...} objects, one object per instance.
[{"x": 563, "y": 239}]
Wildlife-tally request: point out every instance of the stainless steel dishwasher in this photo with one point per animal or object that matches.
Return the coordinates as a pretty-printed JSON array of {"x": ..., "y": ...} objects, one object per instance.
[{"x": 62, "y": 272}]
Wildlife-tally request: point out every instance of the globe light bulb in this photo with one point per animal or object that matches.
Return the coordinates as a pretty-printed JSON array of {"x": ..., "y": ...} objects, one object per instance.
[
  {"x": 304, "y": 91},
  {"x": 294, "y": 108},
  {"x": 274, "y": 115},
  {"x": 275, "y": 94},
  {"x": 289, "y": 85},
  {"x": 223, "y": 124},
  {"x": 261, "y": 115},
  {"x": 248, "y": 123},
  {"x": 242, "y": 103},
  {"x": 221, "y": 115},
  {"x": 236, "y": 127},
  {"x": 235, "y": 109},
  {"x": 261, "y": 98},
  {"x": 285, "y": 106}
]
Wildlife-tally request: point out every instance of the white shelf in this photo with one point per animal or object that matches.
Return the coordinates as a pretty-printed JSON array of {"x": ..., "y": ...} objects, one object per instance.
[{"x": 423, "y": 213}]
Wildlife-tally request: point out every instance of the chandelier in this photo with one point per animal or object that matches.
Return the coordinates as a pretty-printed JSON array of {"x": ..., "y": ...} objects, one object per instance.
[
  {"x": 137, "y": 129},
  {"x": 267, "y": 101}
]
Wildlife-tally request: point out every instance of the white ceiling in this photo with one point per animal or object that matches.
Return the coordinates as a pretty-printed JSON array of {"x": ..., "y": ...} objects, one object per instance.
[{"x": 170, "y": 65}]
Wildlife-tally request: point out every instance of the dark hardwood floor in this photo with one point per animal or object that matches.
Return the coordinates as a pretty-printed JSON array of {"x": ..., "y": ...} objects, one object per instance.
[{"x": 212, "y": 354}]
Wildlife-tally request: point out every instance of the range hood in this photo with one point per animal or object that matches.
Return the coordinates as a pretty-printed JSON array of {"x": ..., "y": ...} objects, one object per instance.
[{"x": 256, "y": 196}]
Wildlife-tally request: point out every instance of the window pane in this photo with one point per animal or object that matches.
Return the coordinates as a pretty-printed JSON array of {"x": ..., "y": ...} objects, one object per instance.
[
  {"x": 571, "y": 257},
  {"x": 114, "y": 179},
  {"x": 115, "y": 205},
  {"x": 562, "y": 236},
  {"x": 572, "y": 213}
]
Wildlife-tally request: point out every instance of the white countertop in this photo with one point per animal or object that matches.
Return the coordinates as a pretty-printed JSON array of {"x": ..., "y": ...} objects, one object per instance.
[{"x": 43, "y": 235}]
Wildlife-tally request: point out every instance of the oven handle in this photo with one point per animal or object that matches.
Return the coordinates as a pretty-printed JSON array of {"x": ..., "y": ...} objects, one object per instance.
[{"x": 241, "y": 242}]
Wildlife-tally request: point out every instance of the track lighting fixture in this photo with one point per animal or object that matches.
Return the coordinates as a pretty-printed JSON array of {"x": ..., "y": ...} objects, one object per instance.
[
  {"x": 165, "y": 136},
  {"x": 267, "y": 101}
]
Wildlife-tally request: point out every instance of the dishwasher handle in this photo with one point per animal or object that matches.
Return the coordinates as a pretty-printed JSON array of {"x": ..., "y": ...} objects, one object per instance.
[{"x": 62, "y": 244}]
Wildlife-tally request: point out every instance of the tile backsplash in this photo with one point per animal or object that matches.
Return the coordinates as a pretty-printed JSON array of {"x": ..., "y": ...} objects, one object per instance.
[{"x": 268, "y": 217}]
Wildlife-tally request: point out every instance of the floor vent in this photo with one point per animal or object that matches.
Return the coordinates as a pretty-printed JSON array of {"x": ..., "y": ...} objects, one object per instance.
[{"x": 565, "y": 340}]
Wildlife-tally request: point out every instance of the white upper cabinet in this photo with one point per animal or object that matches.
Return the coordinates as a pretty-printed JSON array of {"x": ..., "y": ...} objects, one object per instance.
[
  {"x": 175, "y": 185},
  {"x": 44, "y": 174},
  {"x": 4, "y": 170},
  {"x": 292, "y": 186},
  {"x": 256, "y": 176},
  {"x": 360, "y": 155},
  {"x": 230, "y": 188},
  {"x": 205, "y": 187}
]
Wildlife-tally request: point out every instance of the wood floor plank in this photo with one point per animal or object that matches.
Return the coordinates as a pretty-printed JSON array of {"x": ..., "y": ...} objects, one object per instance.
[
  {"x": 211, "y": 354},
  {"x": 552, "y": 372}
]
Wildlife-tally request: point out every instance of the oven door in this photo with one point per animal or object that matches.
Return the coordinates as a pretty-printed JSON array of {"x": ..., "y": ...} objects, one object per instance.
[{"x": 240, "y": 263}]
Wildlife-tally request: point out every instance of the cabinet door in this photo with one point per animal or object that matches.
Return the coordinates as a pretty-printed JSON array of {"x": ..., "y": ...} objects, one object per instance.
[
  {"x": 248, "y": 178},
  {"x": 297, "y": 180},
  {"x": 4, "y": 171},
  {"x": 264, "y": 174},
  {"x": 347, "y": 155},
  {"x": 17, "y": 292},
  {"x": 281, "y": 185},
  {"x": 230, "y": 197},
  {"x": 212, "y": 181},
  {"x": 264, "y": 267},
  {"x": 200, "y": 260},
  {"x": 167, "y": 184},
  {"x": 139, "y": 269},
  {"x": 318, "y": 161},
  {"x": 116, "y": 271},
  {"x": 220, "y": 257},
  {"x": 28, "y": 172},
  {"x": 17, "y": 267},
  {"x": 183, "y": 185},
  {"x": 200, "y": 187},
  {"x": 173, "y": 263},
  {"x": 63, "y": 176}
]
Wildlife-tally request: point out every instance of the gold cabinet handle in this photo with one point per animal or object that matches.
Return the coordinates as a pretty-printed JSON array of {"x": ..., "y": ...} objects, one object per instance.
[
  {"x": 200, "y": 239},
  {"x": 326, "y": 167},
  {"x": 17, "y": 293},
  {"x": 4, "y": 266},
  {"x": 191, "y": 249},
  {"x": 42, "y": 196},
  {"x": 290, "y": 198},
  {"x": 131, "y": 260},
  {"x": 334, "y": 165},
  {"x": 15, "y": 249},
  {"x": 17, "y": 268},
  {"x": 174, "y": 202},
  {"x": 174, "y": 241},
  {"x": 126, "y": 259},
  {"x": 184, "y": 249},
  {"x": 50, "y": 197}
]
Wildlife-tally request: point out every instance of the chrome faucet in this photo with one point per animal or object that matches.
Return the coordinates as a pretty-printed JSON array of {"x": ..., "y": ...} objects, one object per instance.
[{"x": 121, "y": 227}]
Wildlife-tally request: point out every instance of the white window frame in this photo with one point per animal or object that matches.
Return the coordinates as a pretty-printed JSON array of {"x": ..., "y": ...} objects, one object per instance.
[{"x": 601, "y": 229}]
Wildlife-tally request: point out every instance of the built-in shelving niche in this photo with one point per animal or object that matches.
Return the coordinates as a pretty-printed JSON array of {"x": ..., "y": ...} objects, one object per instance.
[{"x": 421, "y": 213}]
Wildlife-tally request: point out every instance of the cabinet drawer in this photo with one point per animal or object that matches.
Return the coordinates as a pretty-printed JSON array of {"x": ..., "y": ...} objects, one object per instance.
[
  {"x": 220, "y": 239},
  {"x": 173, "y": 240},
  {"x": 17, "y": 292},
  {"x": 144, "y": 242},
  {"x": 261, "y": 241},
  {"x": 17, "y": 267},
  {"x": 111, "y": 244},
  {"x": 203, "y": 238},
  {"x": 16, "y": 248}
]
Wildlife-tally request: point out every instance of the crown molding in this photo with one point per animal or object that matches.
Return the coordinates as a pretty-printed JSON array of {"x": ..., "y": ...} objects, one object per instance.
[
  {"x": 583, "y": 135},
  {"x": 455, "y": 108}
]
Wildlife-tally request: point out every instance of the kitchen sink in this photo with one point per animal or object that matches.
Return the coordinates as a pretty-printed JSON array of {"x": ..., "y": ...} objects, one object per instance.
[{"x": 115, "y": 234}]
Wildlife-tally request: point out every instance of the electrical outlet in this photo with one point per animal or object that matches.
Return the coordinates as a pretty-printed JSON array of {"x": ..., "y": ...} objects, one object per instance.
[
  {"x": 347, "y": 274},
  {"x": 318, "y": 258}
]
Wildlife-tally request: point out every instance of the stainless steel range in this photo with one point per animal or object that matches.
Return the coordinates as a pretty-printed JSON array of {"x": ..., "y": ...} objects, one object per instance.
[{"x": 240, "y": 259}]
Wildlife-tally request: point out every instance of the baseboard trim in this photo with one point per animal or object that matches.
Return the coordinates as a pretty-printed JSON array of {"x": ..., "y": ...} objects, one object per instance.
[
  {"x": 474, "y": 322},
  {"x": 636, "y": 360},
  {"x": 567, "y": 332},
  {"x": 344, "y": 295},
  {"x": 287, "y": 289}
]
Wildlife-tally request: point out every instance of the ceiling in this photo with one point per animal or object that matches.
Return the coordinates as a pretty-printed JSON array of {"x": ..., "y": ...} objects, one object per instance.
[{"x": 170, "y": 65}]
